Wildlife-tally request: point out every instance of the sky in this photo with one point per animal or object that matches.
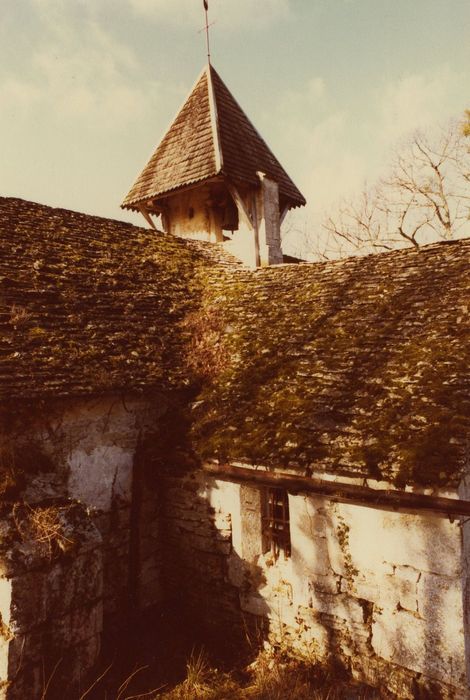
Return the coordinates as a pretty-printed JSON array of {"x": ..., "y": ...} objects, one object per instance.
[{"x": 89, "y": 87}]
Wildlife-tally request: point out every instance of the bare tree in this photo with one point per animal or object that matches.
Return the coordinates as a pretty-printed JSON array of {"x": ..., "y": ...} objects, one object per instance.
[{"x": 425, "y": 197}]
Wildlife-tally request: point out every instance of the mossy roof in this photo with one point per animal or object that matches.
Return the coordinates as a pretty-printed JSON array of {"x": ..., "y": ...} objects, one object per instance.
[
  {"x": 89, "y": 304},
  {"x": 359, "y": 366}
]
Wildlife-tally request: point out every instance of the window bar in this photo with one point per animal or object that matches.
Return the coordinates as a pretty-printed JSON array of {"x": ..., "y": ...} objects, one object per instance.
[{"x": 277, "y": 522}]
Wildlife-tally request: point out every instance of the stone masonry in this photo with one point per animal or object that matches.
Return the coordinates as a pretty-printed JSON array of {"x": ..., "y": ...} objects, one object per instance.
[{"x": 379, "y": 591}]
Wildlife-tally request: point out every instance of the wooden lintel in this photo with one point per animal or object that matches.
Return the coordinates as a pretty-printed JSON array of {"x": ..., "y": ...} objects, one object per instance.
[
  {"x": 153, "y": 207},
  {"x": 342, "y": 492}
]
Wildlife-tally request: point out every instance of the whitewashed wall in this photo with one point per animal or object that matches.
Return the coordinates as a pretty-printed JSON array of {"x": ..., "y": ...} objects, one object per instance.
[
  {"x": 381, "y": 590},
  {"x": 88, "y": 451}
]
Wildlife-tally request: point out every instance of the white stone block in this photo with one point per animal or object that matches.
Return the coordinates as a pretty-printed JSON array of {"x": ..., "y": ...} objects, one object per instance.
[
  {"x": 419, "y": 645},
  {"x": 101, "y": 475},
  {"x": 425, "y": 542},
  {"x": 5, "y": 634},
  {"x": 340, "y": 605},
  {"x": 309, "y": 548},
  {"x": 440, "y": 601},
  {"x": 5, "y": 600}
]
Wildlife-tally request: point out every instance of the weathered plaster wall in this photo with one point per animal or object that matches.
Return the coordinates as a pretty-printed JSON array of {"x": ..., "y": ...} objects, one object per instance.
[
  {"x": 98, "y": 441},
  {"x": 380, "y": 590},
  {"x": 91, "y": 447},
  {"x": 191, "y": 215},
  {"x": 269, "y": 228},
  {"x": 242, "y": 244},
  {"x": 91, "y": 451},
  {"x": 195, "y": 213}
]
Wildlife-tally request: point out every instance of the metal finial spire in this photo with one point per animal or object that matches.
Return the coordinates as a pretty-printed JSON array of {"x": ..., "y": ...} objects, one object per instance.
[{"x": 206, "y": 10}]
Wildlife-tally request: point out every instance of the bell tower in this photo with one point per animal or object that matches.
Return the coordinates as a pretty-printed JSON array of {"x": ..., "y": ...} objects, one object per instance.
[{"x": 214, "y": 178}]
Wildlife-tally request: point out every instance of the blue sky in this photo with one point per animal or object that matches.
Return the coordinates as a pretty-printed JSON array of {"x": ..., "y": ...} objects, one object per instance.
[{"x": 88, "y": 87}]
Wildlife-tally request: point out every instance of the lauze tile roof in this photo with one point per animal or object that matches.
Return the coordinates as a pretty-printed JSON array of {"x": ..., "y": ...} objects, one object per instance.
[
  {"x": 211, "y": 136},
  {"x": 360, "y": 366},
  {"x": 90, "y": 304}
]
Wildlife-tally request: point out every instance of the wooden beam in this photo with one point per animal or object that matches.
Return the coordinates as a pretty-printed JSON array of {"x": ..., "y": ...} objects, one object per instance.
[
  {"x": 342, "y": 492},
  {"x": 146, "y": 215},
  {"x": 283, "y": 215},
  {"x": 240, "y": 203}
]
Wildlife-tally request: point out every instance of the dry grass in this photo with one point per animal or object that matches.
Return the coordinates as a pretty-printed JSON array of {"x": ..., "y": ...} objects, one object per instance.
[
  {"x": 44, "y": 525},
  {"x": 269, "y": 678},
  {"x": 19, "y": 316}
]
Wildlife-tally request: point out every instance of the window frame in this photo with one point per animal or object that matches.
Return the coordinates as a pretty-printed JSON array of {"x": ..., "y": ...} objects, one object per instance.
[{"x": 276, "y": 522}]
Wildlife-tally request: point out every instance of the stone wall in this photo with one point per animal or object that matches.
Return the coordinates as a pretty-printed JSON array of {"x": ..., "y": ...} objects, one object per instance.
[
  {"x": 102, "y": 439},
  {"x": 51, "y": 608},
  {"x": 197, "y": 535},
  {"x": 90, "y": 446},
  {"x": 91, "y": 452},
  {"x": 379, "y": 590}
]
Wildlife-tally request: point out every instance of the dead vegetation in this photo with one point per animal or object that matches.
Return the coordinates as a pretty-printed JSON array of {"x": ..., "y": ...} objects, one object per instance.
[
  {"x": 270, "y": 677},
  {"x": 44, "y": 525},
  {"x": 205, "y": 355},
  {"x": 19, "y": 316},
  {"x": 8, "y": 467}
]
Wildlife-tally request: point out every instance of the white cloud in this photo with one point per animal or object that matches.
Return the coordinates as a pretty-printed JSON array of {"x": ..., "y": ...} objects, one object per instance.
[
  {"x": 228, "y": 13},
  {"x": 335, "y": 149},
  {"x": 79, "y": 73},
  {"x": 417, "y": 101},
  {"x": 312, "y": 139},
  {"x": 18, "y": 96}
]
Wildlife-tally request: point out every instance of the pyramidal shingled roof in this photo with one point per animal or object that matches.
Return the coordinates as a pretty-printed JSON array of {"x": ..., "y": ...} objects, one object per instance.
[{"x": 210, "y": 136}]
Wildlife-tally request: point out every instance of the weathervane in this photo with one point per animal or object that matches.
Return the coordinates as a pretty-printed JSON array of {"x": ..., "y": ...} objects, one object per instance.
[{"x": 206, "y": 28}]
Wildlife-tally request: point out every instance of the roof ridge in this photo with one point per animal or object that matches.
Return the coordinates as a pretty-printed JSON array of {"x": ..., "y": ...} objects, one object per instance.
[
  {"x": 76, "y": 212},
  {"x": 427, "y": 249},
  {"x": 244, "y": 113},
  {"x": 219, "y": 156}
]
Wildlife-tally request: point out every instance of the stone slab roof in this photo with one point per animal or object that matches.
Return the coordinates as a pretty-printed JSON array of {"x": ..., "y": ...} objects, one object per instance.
[
  {"x": 210, "y": 137},
  {"x": 359, "y": 366},
  {"x": 90, "y": 304}
]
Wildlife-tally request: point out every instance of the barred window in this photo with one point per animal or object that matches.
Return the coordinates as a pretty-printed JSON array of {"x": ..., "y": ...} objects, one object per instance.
[{"x": 276, "y": 528}]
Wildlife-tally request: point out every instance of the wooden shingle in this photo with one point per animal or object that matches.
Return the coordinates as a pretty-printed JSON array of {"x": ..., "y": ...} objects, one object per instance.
[{"x": 211, "y": 136}]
